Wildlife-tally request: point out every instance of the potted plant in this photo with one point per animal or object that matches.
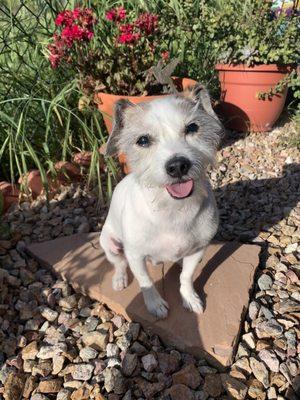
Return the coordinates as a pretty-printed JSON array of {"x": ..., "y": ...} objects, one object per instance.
[
  {"x": 115, "y": 55},
  {"x": 258, "y": 48}
]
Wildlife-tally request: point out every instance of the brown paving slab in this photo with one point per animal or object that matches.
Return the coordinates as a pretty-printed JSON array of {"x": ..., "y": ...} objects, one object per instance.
[{"x": 223, "y": 279}]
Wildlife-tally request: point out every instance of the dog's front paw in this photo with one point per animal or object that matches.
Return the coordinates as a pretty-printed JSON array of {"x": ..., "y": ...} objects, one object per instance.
[
  {"x": 158, "y": 307},
  {"x": 155, "y": 304},
  {"x": 192, "y": 302},
  {"x": 120, "y": 281}
]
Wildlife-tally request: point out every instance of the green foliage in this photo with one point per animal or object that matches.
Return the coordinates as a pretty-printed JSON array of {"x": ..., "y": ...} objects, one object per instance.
[
  {"x": 40, "y": 122},
  {"x": 291, "y": 80},
  {"x": 232, "y": 31},
  {"x": 45, "y": 116},
  {"x": 294, "y": 85},
  {"x": 252, "y": 32},
  {"x": 118, "y": 56}
]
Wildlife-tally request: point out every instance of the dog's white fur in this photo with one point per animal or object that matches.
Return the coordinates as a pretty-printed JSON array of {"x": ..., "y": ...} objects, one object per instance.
[{"x": 144, "y": 222}]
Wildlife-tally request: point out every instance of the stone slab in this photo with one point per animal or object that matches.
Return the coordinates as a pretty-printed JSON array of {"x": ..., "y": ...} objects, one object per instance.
[{"x": 224, "y": 279}]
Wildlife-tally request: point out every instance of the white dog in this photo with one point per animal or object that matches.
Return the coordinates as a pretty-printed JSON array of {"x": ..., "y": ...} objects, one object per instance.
[{"x": 164, "y": 210}]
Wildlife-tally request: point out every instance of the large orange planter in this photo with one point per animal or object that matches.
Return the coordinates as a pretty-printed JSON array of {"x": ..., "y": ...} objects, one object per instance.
[
  {"x": 106, "y": 102},
  {"x": 240, "y": 106}
]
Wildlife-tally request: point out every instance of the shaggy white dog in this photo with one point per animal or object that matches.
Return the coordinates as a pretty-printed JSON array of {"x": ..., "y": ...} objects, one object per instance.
[{"x": 164, "y": 210}]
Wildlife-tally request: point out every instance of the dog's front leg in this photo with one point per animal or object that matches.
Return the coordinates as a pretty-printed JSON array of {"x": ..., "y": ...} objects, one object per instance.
[
  {"x": 155, "y": 304},
  {"x": 190, "y": 298}
]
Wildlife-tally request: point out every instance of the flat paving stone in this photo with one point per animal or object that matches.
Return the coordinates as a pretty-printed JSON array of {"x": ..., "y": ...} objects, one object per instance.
[{"x": 223, "y": 279}]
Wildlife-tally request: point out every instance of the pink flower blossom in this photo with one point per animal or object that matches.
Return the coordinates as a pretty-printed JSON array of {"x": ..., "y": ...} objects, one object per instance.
[
  {"x": 76, "y": 12},
  {"x": 127, "y": 34},
  {"x": 147, "y": 22},
  {"x": 126, "y": 38},
  {"x": 54, "y": 60},
  {"x": 57, "y": 51},
  {"x": 127, "y": 28},
  {"x": 110, "y": 15},
  {"x": 121, "y": 13},
  {"x": 65, "y": 18},
  {"x": 75, "y": 33},
  {"x": 76, "y": 25},
  {"x": 165, "y": 55},
  {"x": 86, "y": 18},
  {"x": 89, "y": 35},
  {"x": 116, "y": 14},
  {"x": 72, "y": 33},
  {"x": 83, "y": 15}
]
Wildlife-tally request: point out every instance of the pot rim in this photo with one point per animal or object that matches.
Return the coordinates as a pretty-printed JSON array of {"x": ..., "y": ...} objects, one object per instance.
[
  {"x": 255, "y": 68},
  {"x": 121, "y": 96}
]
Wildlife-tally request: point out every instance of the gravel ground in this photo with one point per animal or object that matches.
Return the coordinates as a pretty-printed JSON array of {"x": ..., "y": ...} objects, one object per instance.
[{"x": 55, "y": 344}]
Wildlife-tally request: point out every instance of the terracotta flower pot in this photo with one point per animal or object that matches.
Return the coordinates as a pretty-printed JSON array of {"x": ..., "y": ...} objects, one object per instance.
[
  {"x": 240, "y": 106},
  {"x": 33, "y": 181},
  {"x": 84, "y": 158},
  {"x": 106, "y": 102},
  {"x": 66, "y": 173},
  {"x": 10, "y": 194}
]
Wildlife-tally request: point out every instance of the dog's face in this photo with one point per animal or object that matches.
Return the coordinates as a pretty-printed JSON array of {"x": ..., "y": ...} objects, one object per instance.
[{"x": 168, "y": 142}]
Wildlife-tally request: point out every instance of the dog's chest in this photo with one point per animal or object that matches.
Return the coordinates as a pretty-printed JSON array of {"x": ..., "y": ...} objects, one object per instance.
[{"x": 167, "y": 245}]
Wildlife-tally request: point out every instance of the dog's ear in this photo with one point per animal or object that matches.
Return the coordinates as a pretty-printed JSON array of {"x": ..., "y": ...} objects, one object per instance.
[
  {"x": 118, "y": 124},
  {"x": 199, "y": 94}
]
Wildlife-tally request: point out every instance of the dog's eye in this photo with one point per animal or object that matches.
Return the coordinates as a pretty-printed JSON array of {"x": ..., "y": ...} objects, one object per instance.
[
  {"x": 191, "y": 128},
  {"x": 143, "y": 141}
]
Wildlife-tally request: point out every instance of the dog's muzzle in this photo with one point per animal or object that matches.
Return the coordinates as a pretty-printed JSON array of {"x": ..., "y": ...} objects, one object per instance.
[{"x": 178, "y": 166}]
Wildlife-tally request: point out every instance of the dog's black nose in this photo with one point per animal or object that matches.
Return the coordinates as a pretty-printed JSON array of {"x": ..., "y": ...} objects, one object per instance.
[{"x": 178, "y": 166}]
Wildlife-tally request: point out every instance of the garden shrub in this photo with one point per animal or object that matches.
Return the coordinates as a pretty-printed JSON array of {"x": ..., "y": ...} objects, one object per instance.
[{"x": 45, "y": 116}]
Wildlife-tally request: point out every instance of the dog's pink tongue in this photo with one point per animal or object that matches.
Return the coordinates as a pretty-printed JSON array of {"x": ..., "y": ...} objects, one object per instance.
[{"x": 181, "y": 190}]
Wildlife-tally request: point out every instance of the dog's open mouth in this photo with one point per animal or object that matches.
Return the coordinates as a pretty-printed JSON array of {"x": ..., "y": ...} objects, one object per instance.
[{"x": 181, "y": 190}]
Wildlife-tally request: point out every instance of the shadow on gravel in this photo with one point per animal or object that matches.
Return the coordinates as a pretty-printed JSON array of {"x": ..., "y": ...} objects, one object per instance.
[{"x": 251, "y": 206}]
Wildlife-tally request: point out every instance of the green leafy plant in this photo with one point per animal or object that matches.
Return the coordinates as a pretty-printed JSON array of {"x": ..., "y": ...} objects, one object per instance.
[
  {"x": 253, "y": 32},
  {"x": 108, "y": 51},
  {"x": 291, "y": 80},
  {"x": 47, "y": 114},
  {"x": 40, "y": 118}
]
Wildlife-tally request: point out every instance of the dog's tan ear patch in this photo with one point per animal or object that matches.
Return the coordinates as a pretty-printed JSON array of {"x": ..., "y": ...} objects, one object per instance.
[{"x": 192, "y": 92}]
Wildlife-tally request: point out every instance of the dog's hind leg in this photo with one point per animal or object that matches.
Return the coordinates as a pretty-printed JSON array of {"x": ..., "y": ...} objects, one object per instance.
[
  {"x": 114, "y": 253},
  {"x": 190, "y": 298},
  {"x": 155, "y": 304}
]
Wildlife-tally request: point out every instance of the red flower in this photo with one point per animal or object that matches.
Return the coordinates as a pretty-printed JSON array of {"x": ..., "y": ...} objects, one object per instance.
[
  {"x": 86, "y": 18},
  {"x": 116, "y": 14},
  {"x": 57, "y": 51},
  {"x": 76, "y": 25},
  {"x": 128, "y": 28},
  {"x": 89, "y": 35},
  {"x": 147, "y": 22},
  {"x": 127, "y": 38},
  {"x": 65, "y": 18},
  {"x": 165, "y": 55},
  {"x": 127, "y": 34},
  {"x": 83, "y": 15},
  {"x": 76, "y": 12},
  {"x": 110, "y": 15},
  {"x": 75, "y": 33},
  {"x": 71, "y": 33},
  {"x": 54, "y": 60},
  {"x": 121, "y": 13}
]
